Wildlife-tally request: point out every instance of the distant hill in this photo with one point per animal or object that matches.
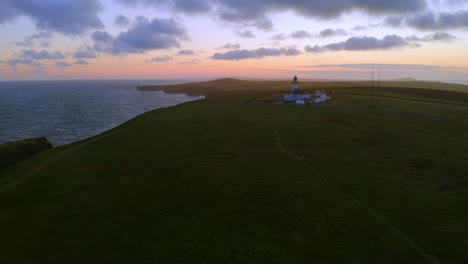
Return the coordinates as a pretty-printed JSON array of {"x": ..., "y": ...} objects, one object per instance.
[
  {"x": 408, "y": 79},
  {"x": 229, "y": 86}
]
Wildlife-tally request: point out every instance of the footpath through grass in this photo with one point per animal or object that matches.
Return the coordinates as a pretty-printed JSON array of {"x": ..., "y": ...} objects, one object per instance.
[{"x": 224, "y": 181}]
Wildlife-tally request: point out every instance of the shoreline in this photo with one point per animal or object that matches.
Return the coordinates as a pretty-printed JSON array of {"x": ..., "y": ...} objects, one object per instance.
[
  {"x": 79, "y": 111},
  {"x": 229, "y": 86}
]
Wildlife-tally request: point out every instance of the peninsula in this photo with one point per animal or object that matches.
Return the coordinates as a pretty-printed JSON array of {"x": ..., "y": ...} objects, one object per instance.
[{"x": 376, "y": 175}]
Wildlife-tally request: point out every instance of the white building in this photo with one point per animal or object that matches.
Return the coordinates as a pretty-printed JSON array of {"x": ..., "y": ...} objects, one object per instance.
[
  {"x": 299, "y": 97},
  {"x": 321, "y": 96}
]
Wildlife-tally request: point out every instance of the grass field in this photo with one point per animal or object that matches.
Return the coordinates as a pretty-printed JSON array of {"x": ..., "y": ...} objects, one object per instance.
[{"x": 373, "y": 176}]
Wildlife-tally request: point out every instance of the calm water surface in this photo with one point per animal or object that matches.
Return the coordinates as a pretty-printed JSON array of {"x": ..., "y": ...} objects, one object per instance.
[{"x": 68, "y": 111}]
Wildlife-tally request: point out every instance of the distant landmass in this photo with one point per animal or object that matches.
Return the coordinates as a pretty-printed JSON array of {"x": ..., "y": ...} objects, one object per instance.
[
  {"x": 464, "y": 82},
  {"x": 407, "y": 79}
]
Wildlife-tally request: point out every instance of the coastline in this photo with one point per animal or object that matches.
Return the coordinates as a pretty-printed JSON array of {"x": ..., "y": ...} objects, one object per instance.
[
  {"x": 75, "y": 110},
  {"x": 186, "y": 175},
  {"x": 208, "y": 89}
]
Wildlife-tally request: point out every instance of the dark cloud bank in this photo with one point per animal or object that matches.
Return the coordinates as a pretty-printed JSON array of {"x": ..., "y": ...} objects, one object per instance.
[
  {"x": 402, "y": 67},
  {"x": 431, "y": 21},
  {"x": 42, "y": 37},
  {"x": 388, "y": 42},
  {"x": 186, "y": 52},
  {"x": 67, "y": 17},
  {"x": 255, "y": 13},
  {"x": 145, "y": 35},
  {"x": 142, "y": 34},
  {"x": 363, "y": 43},
  {"x": 256, "y": 53},
  {"x": 76, "y": 17},
  {"x": 161, "y": 59},
  {"x": 42, "y": 55}
]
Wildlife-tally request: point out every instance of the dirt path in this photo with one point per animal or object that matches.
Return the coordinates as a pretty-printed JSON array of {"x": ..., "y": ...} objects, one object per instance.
[{"x": 373, "y": 214}]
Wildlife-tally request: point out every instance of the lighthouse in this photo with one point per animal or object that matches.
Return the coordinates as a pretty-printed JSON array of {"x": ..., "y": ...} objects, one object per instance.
[
  {"x": 300, "y": 97},
  {"x": 296, "y": 95},
  {"x": 295, "y": 84}
]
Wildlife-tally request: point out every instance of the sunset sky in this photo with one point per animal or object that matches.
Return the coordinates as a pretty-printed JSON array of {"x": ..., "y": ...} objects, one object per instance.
[{"x": 333, "y": 39}]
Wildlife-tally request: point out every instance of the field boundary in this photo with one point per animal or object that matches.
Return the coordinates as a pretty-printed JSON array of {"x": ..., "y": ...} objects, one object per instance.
[
  {"x": 401, "y": 98},
  {"x": 372, "y": 110}
]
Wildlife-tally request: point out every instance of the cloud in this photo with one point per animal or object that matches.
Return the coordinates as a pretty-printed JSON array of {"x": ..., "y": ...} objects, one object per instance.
[
  {"x": 122, "y": 21},
  {"x": 77, "y": 17},
  {"x": 62, "y": 64},
  {"x": 363, "y": 44},
  {"x": 81, "y": 62},
  {"x": 231, "y": 46},
  {"x": 242, "y": 18},
  {"x": 279, "y": 37},
  {"x": 394, "y": 21},
  {"x": 332, "y": 32},
  {"x": 436, "y": 37},
  {"x": 28, "y": 62},
  {"x": 441, "y": 21},
  {"x": 145, "y": 35},
  {"x": 86, "y": 53},
  {"x": 244, "y": 11},
  {"x": 8, "y": 11},
  {"x": 190, "y": 62},
  {"x": 186, "y": 52},
  {"x": 430, "y": 21},
  {"x": 359, "y": 28},
  {"x": 398, "y": 67},
  {"x": 185, "y": 6},
  {"x": 301, "y": 34},
  {"x": 161, "y": 59},
  {"x": 102, "y": 37},
  {"x": 192, "y": 6},
  {"x": 262, "y": 23},
  {"x": 67, "y": 17},
  {"x": 441, "y": 36},
  {"x": 42, "y": 55},
  {"x": 256, "y": 13},
  {"x": 255, "y": 53},
  {"x": 31, "y": 40},
  {"x": 245, "y": 34},
  {"x": 313, "y": 49}
]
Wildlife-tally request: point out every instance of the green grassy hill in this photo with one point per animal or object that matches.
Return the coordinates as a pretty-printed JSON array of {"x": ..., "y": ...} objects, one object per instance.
[{"x": 364, "y": 178}]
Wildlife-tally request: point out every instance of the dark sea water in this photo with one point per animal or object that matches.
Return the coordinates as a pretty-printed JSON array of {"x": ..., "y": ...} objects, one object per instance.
[{"x": 69, "y": 111}]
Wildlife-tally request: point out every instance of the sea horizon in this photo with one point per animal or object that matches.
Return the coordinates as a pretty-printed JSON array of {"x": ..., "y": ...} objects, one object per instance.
[
  {"x": 164, "y": 81},
  {"x": 66, "y": 111}
]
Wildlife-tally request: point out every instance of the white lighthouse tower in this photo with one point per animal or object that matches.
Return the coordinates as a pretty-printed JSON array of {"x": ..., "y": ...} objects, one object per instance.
[
  {"x": 296, "y": 95},
  {"x": 295, "y": 84},
  {"x": 300, "y": 97}
]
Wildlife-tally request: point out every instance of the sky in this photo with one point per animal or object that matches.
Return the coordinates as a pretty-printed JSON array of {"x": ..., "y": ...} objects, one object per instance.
[{"x": 164, "y": 39}]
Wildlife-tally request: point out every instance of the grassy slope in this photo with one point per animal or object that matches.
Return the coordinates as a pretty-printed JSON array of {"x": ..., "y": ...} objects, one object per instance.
[{"x": 224, "y": 181}]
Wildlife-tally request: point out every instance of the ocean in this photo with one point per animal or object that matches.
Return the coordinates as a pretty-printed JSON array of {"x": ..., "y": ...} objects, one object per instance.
[{"x": 69, "y": 111}]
